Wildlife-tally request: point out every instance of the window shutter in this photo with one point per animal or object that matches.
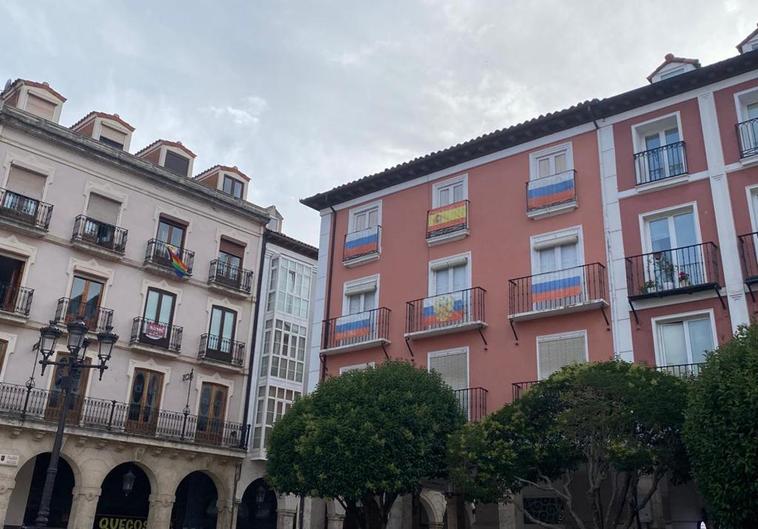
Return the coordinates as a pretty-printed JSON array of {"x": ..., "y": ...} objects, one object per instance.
[
  {"x": 555, "y": 353},
  {"x": 103, "y": 209},
  {"x": 232, "y": 248},
  {"x": 453, "y": 368},
  {"x": 25, "y": 182},
  {"x": 40, "y": 107},
  {"x": 360, "y": 288},
  {"x": 461, "y": 260},
  {"x": 113, "y": 135}
]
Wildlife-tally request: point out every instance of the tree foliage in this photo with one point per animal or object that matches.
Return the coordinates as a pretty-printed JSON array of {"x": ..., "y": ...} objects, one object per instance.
[
  {"x": 612, "y": 422},
  {"x": 364, "y": 438},
  {"x": 721, "y": 430}
]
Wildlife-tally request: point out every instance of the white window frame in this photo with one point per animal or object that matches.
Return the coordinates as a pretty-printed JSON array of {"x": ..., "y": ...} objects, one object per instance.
[
  {"x": 671, "y": 318},
  {"x": 534, "y": 157},
  {"x": 449, "y": 352},
  {"x": 179, "y": 152},
  {"x": 356, "y": 367},
  {"x": 638, "y": 135},
  {"x": 646, "y": 217},
  {"x": 354, "y": 212},
  {"x": 553, "y": 239},
  {"x": 461, "y": 178},
  {"x": 99, "y": 123},
  {"x": 742, "y": 100},
  {"x": 10, "y": 339},
  {"x": 438, "y": 264},
  {"x": 26, "y": 91},
  {"x": 556, "y": 337},
  {"x": 368, "y": 280},
  {"x": 752, "y": 191}
]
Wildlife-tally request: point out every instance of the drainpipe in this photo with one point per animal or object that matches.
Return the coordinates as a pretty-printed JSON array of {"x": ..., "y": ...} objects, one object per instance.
[
  {"x": 328, "y": 297},
  {"x": 592, "y": 115}
]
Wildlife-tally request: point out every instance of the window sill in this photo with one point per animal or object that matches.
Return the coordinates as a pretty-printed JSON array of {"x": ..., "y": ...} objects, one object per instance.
[
  {"x": 356, "y": 346},
  {"x": 363, "y": 259},
  {"x": 447, "y": 237},
  {"x": 558, "y": 311},
  {"x": 226, "y": 289},
  {"x": 550, "y": 211},
  {"x": 96, "y": 249},
  {"x": 13, "y": 317},
  {"x": 662, "y": 183},
  {"x": 438, "y": 331},
  {"x": 749, "y": 161}
]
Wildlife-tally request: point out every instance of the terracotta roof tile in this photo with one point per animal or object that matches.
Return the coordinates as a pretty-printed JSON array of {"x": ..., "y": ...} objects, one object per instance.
[
  {"x": 156, "y": 143},
  {"x": 44, "y": 86},
  {"x": 668, "y": 59},
  {"x": 104, "y": 115},
  {"x": 217, "y": 167}
]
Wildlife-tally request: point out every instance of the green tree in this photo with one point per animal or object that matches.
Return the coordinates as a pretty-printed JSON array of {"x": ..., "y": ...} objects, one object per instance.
[
  {"x": 721, "y": 430},
  {"x": 611, "y": 422},
  {"x": 364, "y": 438}
]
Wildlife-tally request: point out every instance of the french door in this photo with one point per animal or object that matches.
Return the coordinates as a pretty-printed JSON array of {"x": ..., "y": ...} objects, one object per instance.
[
  {"x": 558, "y": 280},
  {"x": 221, "y": 333},
  {"x": 551, "y": 164},
  {"x": 685, "y": 341},
  {"x": 676, "y": 259},
  {"x": 449, "y": 194},
  {"x": 662, "y": 163},
  {"x": 158, "y": 318},
  {"x": 144, "y": 401},
  {"x": 211, "y": 413},
  {"x": 171, "y": 234},
  {"x": 55, "y": 397},
  {"x": 84, "y": 301}
]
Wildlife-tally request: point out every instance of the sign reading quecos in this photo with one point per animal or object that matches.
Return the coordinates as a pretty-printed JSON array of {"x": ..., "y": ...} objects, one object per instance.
[{"x": 119, "y": 522}]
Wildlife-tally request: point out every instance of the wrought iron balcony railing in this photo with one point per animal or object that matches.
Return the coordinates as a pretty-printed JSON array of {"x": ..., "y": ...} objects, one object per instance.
[
  {"x": 228, "y": 276},
  {"x": 748, "y": 248},
  {"x": 519, "y": 388},
  {"x": 156, "y": 334},
  {"x": 221, "y": 350},
  {"x": 354, "y": 331},
  {"x": 448, "y": 219},
  {"x": 96, "y": 318},
  {"x": 159, "y": 253},
  {"x": 445, "y": 312},
  {"x": 25, "y": 210},
  {"x": 101, "y": 234},
  {"x": 361, "y": 244},
  {"x": 661, "y": 163},
  {"x": 573, "y": 287},
  {"x": 747, "y": 132},
  {"x": 682, "y": 370},
  {"x": 16, "y": 300},
  {"x": 675, "y": 271},
  {"x": 551, "y": 191},
  {"x": 473, "y": 402},
  {"x": 32, "y": 404}
]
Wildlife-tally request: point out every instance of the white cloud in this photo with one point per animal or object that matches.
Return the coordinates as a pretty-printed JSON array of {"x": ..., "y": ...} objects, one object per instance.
[{"x": 245, "y": 115}]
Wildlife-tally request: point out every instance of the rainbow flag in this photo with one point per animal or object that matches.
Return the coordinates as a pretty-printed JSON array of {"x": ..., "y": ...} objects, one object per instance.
[
  {"x": 447, "y": 217},
  {"x": 557, "y": 289},
  {"x": 352, "y": 329},
  {"x": 179, "y": 266},
  {"x": 551, "y": 190},
  {"x": 361, "y": 243},
  {"x": 440, "y": 311}
]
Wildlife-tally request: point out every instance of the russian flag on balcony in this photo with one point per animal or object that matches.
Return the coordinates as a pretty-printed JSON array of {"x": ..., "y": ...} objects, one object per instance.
[
  {"x": 353, "y": 328},
  {"x": 551, "y": 190},
  {"x": 447, "y": 217},
  {"x": 557, "y": 289},
  {"x": 361, "y": 243},
  {"x": 440, "y": 311}
]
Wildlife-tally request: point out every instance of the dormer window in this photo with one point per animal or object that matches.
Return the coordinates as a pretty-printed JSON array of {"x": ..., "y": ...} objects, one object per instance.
[
  {"x": 112, "y": 137},
  {"x": 41, "y": 107},
  {"x": 671, "y": 67},
  {"x": 36, "y": 98},
  {"x": 233, "y": 186},
  {"x": 176, "y": 163},
  {"x": 749, "y": 43},
  {"x": 109, "y": 129},
  {"x": 227, "y": 180},
  {"x": 171, "y": 155}
]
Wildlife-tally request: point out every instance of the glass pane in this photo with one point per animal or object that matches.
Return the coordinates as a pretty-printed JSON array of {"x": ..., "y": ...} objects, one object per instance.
[
  {"x": 546, "y": 258},
  {"x": 458, "y": 192},
  {"x": 544, "y": 166},
  {"x": 752, "y": 111},
  {"x": 441, "y": 281},
  {"x": 672, "y": 136},
  {"x": 163, "y": 230},
  {"x": 459, "y": 278},
  {"x": 444, "y": 196},
  {"x": 228, "y": 329},
  {"x": 701, "y": 338},
  {"x": 673, "y": 345},
  {"x": 369, "y": 300},
  {"x": 560, "y": 162},
  {"x": 354, "y": 304},
  {"x": 569, "y": 255},
  {"x": 660, "y": 238},
  {"x": 216, "y": 315},
  {"x": 205, "y": 400},
  {"x": 360, "y": 221},
  {"x": 373, "y": 218},
  {"x": 684, "y": 226},
  {"x": 151, "y": 307},
  {"x": 652, "y": 142},
  {"x": 167, "y": 304}
]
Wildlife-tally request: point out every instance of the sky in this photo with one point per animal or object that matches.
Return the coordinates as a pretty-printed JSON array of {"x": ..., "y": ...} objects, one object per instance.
[{"x": 306, "y": 95}]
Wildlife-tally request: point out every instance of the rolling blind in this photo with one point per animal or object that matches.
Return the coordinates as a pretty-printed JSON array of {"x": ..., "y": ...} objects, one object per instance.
[
  {"x": 113, "y": 135},
  {"x": 40, "y": 107},
  {"x": 25, "y": 182},
  {"x": 555, "y": 353},
  {"x": 103, "y": 209},
  {"x": 453, "y": 368}
]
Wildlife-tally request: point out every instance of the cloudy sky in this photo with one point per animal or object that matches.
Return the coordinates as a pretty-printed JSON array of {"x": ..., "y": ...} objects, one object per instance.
[{"x": 305, "y": 95}]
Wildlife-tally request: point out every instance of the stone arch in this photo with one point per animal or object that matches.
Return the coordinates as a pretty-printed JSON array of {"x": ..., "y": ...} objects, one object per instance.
[
  {"x": 435, "y": 504},
  {"x": 258, "y": 506},
  {"x": 197, "y": 501},
  {"x": 117, "y": 503}
]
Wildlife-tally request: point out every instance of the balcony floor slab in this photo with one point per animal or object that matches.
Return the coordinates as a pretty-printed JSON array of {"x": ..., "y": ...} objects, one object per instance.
[
  {"x": 568, "y": 309},
  {"x": 355, "y": 347},
  {"x": 461, "y": 327}
]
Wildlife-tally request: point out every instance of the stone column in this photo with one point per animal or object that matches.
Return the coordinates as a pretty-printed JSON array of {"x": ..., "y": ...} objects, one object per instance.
[
  {"x": 224, "y": 514},
  {"x": 506, "y": 515},
  {"x": 452, "y": 512},
  {"x": 285, "y": 518},
  {"x": 159, "y": 515},
  {"x": 83, "y": 507},
  {"x": 7, "y": 483}
]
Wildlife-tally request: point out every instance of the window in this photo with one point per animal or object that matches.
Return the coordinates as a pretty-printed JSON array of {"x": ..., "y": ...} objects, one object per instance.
[
  {"x": 103, "y": 209},
  {"x": 659, "y": 150},
  {"x": 84, "y": 301},
  {"x": 449, "y": 275},
  {"x": 672, "y": 73},
  {"x": 222, "y": 328},
  {"x": 176, "y": 163},
  {"x": 364, "y": 219},
  {"x": 747, "y": 127},
  {"x": 290, "y": 286},
  {"x": 360, "y": 296},
  {"x": 452, "y": 367},
  {"x": 273, "y": 403},
  {"x": 230, "y": 256},
  {"x": 684, "y": 340},
  {"x": 211, "y": 412},
  {"x": 672, "y": 240},
  {"x": 283, "y": 350},
  {"x": 112, "y": 137},
  {"x": 449, "y": 192},
  {"x": 25, "y": 182},
  {"x": 159, "y": 317},
  {"x": 3, "y": 350},
  {"x": 171, "y": 232},
  {"x": 551, "y": 161},
  {"x": 40, "y": 107},
  {"x": 233, "y": 186},
  {"x": 55, "y": 396},
  {"x": 11, "y": 271},
  {"x": 144, "y": 401},
  {"x": 557, "y": 351}
]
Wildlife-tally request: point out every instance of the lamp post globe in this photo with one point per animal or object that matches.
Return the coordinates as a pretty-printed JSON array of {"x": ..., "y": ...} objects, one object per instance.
[
  {"x": 48, "y": 336},
  {"x": 77, "y": 331},
  {"x": 105, "y": 342}
]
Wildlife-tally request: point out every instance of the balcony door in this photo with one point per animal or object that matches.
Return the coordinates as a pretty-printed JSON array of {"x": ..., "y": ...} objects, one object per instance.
[
  {"x": 552, "y": 164},
  {"x": 11, "y": 271},
  {"x": 676, "y": 261},
  {"x": 230, "y": 256},
  {"x": 452, "y": 366},
  {"x": 25, "y": 189},
  {"x": 170, "y": 233},
  {"x": 102, "y": 217},
  {"x": 158, "y": 318},
  {"x": 449, "y": 302},
  {"x": 211, "y": 413},
  {"x": 685, "y": 341},
  {"x": 662, "y": 162},
  {"x": 221, "y": 333},
  {"x": 449, "y": 193},
  {"x": 558, "y": 280},
  {"x": 144, "y": 401},
  {"x": 365, "y": 219},
  {"x": 84, "y": 301},
  {"x": 55, "y": 397}
]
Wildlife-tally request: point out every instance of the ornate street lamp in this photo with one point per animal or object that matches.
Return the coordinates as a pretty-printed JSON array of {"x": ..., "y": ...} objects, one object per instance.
[
  {"x": 76, "y": 343},
  {"x": 127, "y": 482}
]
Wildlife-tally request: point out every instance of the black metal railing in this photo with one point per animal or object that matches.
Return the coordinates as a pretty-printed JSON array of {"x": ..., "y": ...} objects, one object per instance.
[
  {"x": 679, "y": 270},
  {"x": 95, "y": 317},
  {"x": 156, "y": 334},
  {"x": 355, "y": 329},
  {"x": 660, "y": 163},
  {"x": 221, "y": 350},
  {"x": 101, "y": 234},
  {"x": 473, "y": 402},
  {"x": 159, "y": 253},
  {"x": 361, "y": 243},
  {"x": 32, "y": 404},
  {"x": 25, "y": 210},
  {"x": 519, "y": 388},
  {"x": 550, "y": 191},
  {"x": 16, "y": 300},
  {"x": 557, "y": 290},
  {"x": 747, "y": 132},
  {"x": 443, "y": 311},
  {"x": 447, "y": 219},
  {"x": 749, "y": 257},
  {"x": 230, "y": 276},
  {"x": 682, "y": 370}
]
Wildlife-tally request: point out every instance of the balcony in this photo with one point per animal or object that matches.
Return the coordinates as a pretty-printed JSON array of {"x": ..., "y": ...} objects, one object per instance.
[
  {"x": 458, "y": 311},
  {"x": 166, "y": 259},
  {"x": 682, "y": 370},
  {"x": 361, "y": 246},
  {"x": 520, "y": 388},
  {"x": 671, "y": 272},
  {"x": 97, "y": 319},
  {"x": 221, "y": 351},
  {"x": 747, "y": 132},
  {"x": 550, "y": 195},
  {"x": 38, "y": 405},
  {"x": 575, "y": 289},
  {"x": 24, "y": 214},
  {"x": 749, "y": 257},
  {"x": 356, "y": 331},
  {"x": 230, "y": 279},
  {"x": 661, "y": 163},
  {"x": 153, "y": 336},
  {"x": 447, "y": 223},
  {"x": 99, "y": 237},
  {"x": 15, "y": 302},
  {"x": 473, "y": 403}
]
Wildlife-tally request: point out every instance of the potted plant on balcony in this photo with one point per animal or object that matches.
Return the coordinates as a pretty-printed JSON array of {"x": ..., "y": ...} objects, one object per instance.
[
  {"x": 649, "y": 286},
  {"x": 684, "y": 279}
]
